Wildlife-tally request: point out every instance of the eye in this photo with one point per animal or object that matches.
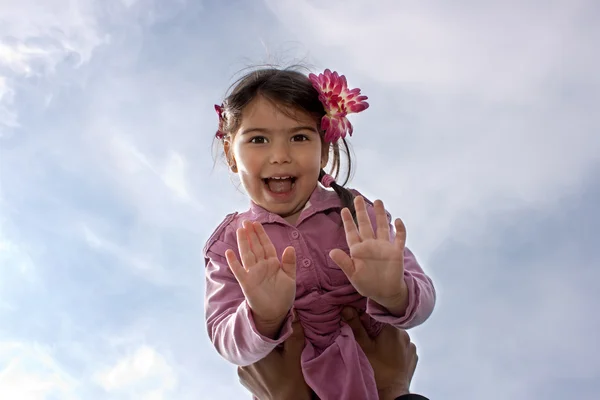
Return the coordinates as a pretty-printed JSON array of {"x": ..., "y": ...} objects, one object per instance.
[
  {"x": 258, "y": 140},
  {"x": 299, "y": 138}
]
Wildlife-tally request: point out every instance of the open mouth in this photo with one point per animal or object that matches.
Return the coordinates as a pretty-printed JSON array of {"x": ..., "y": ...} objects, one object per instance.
[{"x": 280, "y": 184}]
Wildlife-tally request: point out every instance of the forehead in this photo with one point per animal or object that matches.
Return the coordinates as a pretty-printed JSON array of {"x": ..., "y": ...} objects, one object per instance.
[{"x": 263, "y": 113}]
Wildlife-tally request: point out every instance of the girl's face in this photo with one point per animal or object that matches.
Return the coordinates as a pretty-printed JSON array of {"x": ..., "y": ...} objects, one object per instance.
[{"x": 278, "y": 157}]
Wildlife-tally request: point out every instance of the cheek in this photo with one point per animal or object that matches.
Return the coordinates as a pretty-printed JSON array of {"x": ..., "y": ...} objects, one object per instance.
[
  {"x": 320, "y": 159},
  {"x": 241, "y": 154},
  {"x": 236, "y": 149},
  {"x": 250, "y": 161},
  {"x": 309, "y": 160}
]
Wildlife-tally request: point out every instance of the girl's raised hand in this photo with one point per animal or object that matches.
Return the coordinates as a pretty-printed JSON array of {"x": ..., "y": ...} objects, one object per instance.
[
  {"x": 375, "y": 266},
  {"x": 268, "y": 284}
]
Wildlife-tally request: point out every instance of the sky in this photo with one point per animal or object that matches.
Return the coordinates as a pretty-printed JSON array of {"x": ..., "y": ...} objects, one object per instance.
[{"x": 481, "y": 136}]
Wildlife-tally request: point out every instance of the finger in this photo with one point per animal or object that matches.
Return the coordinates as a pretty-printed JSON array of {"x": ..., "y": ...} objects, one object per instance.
[
  {"x": 242, "y": 374},
  {"x": 352, "y": 235},
  {"x": 383, "y": 228},
  {"x": 295, "y": 343},
  {"x": 288, "y": 262},
  {"x": 265, "y": 241},
  {"x": 350, "y": 315},
  {"x": 344, "y": 261},
  {"x": 255, "y": 245},
  {"x": 362, "y": 216},
  {"x": 246, "y": 378},
  {"x": 412, "y": 353},
  {"x": 409, "y": 348},
  {"x": 414, "y": 360},
  {"x": 403, "y": 336},
  {"x": 400, "y": 240},
  {"x": 246, "y": 254},
  {"x": 236, "y": 267}
]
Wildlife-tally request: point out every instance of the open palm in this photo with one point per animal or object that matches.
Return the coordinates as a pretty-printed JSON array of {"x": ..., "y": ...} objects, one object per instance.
[
  {"x": 268, "y": 284},
  {"x": 375, "y": 266}
]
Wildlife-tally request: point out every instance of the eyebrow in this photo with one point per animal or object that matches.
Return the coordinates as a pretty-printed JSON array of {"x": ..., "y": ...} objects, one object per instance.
[{"x": 265, "y": 130}]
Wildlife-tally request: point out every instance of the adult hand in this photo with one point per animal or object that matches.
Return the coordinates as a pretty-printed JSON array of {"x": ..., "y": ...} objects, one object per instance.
[
  {"x": 391, "y": 354},
  {"x": 279, "y": 375}
]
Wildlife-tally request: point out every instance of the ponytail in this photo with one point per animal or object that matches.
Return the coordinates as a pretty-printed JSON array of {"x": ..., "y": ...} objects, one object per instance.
[{"x": 344, "y": 194}]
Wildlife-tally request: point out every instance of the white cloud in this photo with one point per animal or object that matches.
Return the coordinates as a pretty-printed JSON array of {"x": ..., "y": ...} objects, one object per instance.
[
  {"x": 14, "y": 257},
  {"x": 35, "y": 39},
  {"x": 15, "y": 262},
  {"x": 142, "y": 254},
  {"x": 471, "y": 110},
  {"x": 431, "y": 46},
  {"x": 6, "y": 93},
  {"x": 8, "y": 117},
  {"x": 29, "y": 372},
  {"x": 144, "y": 373},
  {"x": 131, "y": 161},
  {"x": 469, "y": 102},
  {"x": 72, "y": 25},
  {"x": 173, "y": 175},
  {"x": 507, "y": 331},
  {"x": 129, "y": 3},
  {"x": 19, "y": 57}
]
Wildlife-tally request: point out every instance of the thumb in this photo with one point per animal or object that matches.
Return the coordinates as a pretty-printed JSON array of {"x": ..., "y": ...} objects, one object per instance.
[
  {"x": 343, "y": 261},
  {"x": 295, "y": 343},
  {"x": 400, "y": 239},
  {"x": 288, "y": 262},
  {"x": 236, "y": 267},
  {"x": 350, "y": 315}
]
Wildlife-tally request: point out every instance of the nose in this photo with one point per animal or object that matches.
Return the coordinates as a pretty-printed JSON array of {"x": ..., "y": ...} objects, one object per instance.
[{"x": 280, "y": 152}]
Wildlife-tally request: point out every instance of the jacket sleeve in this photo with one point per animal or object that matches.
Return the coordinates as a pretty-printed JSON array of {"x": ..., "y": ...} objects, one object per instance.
[
  {"x": 421, "y": 297},
  {"x": 421, "y": 292},
  {"x": 229, "y": 319}
]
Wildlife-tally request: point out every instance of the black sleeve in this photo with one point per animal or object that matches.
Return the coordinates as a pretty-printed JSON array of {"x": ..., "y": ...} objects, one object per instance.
[{"x": 412, "y": 397}]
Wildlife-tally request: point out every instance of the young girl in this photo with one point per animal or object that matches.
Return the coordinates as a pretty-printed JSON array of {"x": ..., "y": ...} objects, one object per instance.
[{"x": 298, "y": 252}]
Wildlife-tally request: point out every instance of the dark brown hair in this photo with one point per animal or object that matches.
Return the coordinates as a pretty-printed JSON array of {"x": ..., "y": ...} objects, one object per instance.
[{"x": 292, "y": 90}]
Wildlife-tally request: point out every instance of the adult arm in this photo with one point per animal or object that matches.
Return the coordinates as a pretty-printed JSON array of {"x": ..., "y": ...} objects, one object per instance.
[
  {"x": 391, "y": 354},
  {"x": 279, "y": 375}
]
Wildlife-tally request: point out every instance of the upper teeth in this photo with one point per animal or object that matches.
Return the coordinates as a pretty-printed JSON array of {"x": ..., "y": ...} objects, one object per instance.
[{"x": 281, "y": 177}]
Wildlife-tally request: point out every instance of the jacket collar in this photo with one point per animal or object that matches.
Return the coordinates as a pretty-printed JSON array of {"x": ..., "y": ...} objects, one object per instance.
[{"x": 320, "y": 200}]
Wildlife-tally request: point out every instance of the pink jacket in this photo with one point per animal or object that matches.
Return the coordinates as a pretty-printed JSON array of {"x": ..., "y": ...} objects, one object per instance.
[{"x": 333, "y": 364}]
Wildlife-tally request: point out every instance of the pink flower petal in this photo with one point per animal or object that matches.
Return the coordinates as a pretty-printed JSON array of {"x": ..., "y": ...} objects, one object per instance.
[{"x": 338, "y": 101}]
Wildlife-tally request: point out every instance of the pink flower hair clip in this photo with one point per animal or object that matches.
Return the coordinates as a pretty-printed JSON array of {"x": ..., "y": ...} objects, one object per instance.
[
  {"x": 219, "y": 109},
  {"x": 338, "y": 102}
]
